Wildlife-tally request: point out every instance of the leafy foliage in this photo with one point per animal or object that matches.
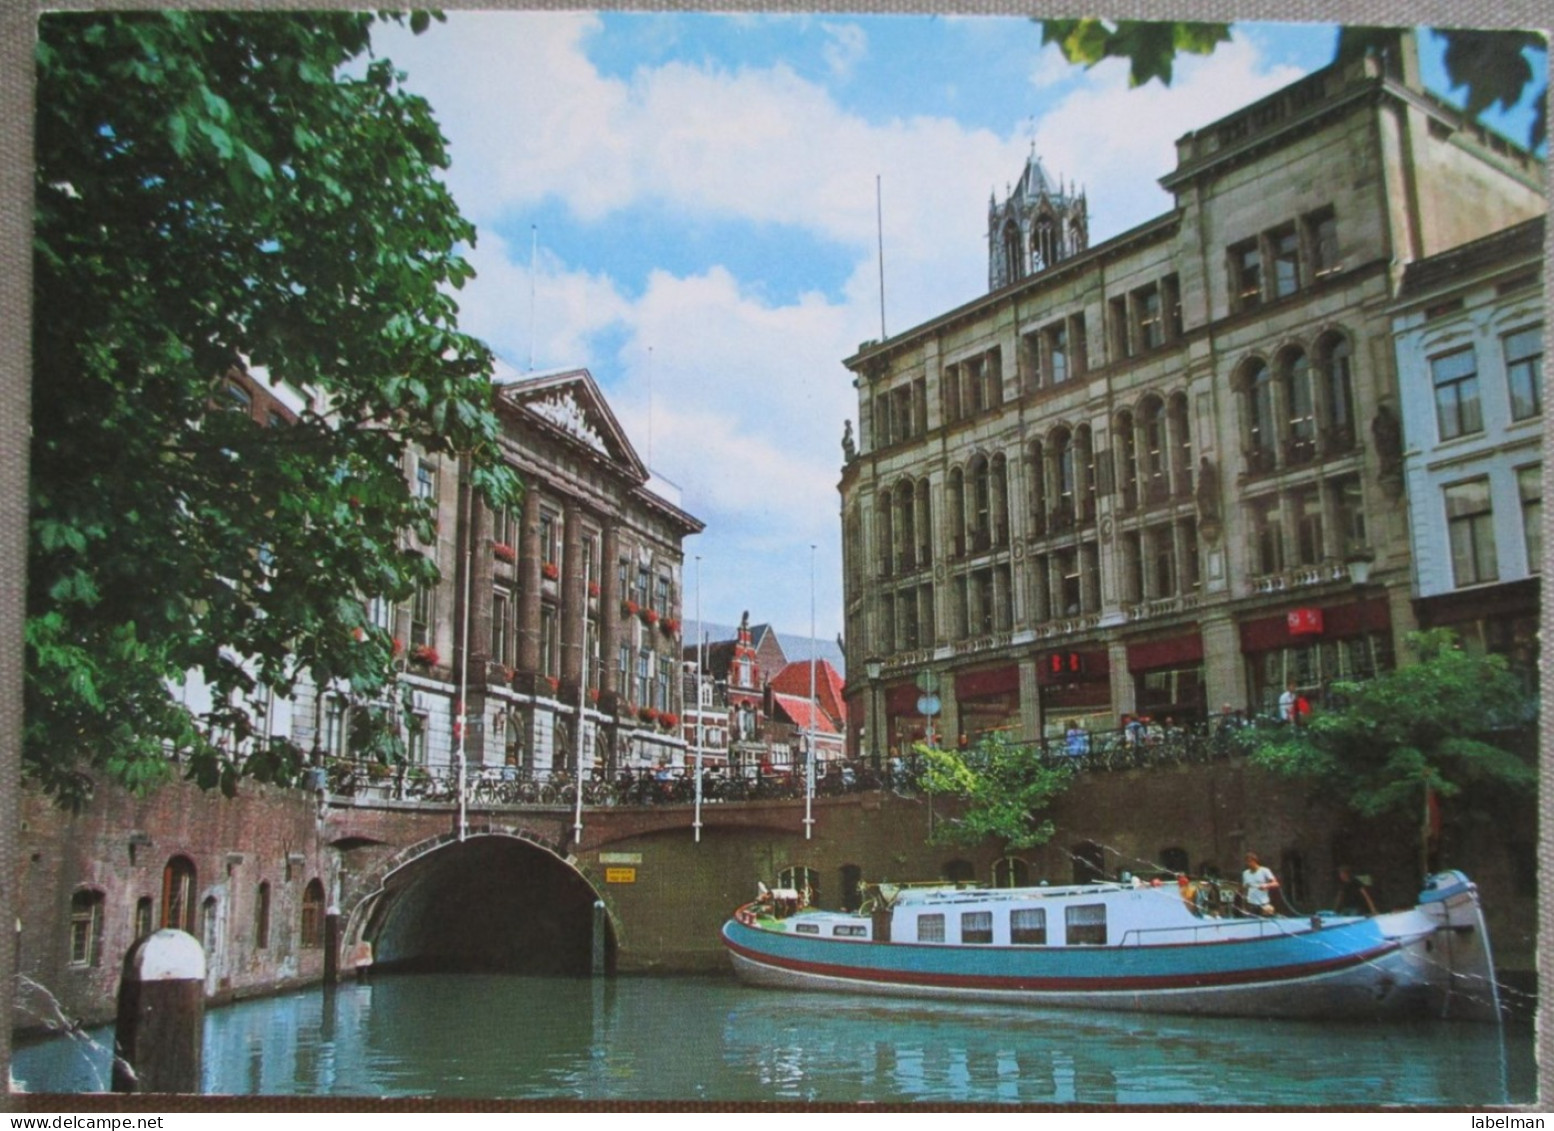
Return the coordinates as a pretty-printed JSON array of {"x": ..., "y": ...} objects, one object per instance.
[
  {"x": 1446, "y": 722},
  {"x": 1491, "y": 66},
  {"x": 1006, "y": 787},
  {"x": 214, "y": 192}
]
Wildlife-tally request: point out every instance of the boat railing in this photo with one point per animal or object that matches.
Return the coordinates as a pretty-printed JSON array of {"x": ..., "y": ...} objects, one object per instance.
[{"x": 1237, "y": 927}]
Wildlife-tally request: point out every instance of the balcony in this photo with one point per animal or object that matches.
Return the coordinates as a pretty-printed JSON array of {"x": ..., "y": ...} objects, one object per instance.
[{"x": 1300, "y": 577}]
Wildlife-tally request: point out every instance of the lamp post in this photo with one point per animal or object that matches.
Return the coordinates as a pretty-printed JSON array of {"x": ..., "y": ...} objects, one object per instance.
[{"x": 875, "y": 667}]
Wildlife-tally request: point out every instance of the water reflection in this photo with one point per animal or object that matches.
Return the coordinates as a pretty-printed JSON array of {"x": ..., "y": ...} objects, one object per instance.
[{"x": 710, "y": 1039}]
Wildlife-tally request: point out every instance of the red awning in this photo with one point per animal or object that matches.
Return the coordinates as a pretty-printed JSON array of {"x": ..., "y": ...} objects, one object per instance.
[
  {"x": 1339, "y": 622},
  {"x": 1174, "y": 652},
  {"x": 988, "y": 682}
]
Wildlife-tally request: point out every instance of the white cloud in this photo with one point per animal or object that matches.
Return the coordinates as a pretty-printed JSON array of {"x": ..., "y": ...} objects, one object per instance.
[{"x": 846, "y": 45}]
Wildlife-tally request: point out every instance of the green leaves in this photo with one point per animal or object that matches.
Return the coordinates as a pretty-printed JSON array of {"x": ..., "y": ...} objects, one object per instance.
[
  {"x": 1005, "y": 787},
  {"x": 216, "y": 192},
  {"x": 1150, "y": 47}
]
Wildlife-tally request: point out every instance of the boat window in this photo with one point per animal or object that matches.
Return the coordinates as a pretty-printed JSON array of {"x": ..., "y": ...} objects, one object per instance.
[
  {"x": 807, "y": 928},
  {"x": 930, "y": 928},
  {"x": 850, "y": 930},
  {"x": 976, "y": 926},
  {"x": 1086, "y": 923},
  {"x": 1028, "y": 926}
]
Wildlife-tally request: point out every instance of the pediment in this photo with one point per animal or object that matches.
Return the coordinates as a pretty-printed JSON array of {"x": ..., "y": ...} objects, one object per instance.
[{"x": 571, "y": 404}]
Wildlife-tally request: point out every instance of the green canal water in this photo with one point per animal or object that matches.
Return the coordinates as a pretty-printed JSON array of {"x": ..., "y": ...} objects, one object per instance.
[{"x": 712, "y": 1039}]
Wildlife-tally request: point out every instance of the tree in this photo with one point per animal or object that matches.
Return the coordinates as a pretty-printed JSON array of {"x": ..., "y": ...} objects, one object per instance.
[
  {"x": 1490, "y": 66},
  {"x": 216, "y": 191},
  {"x": 1005, "y": 787},
  {"x": 1446, "y": 725}
]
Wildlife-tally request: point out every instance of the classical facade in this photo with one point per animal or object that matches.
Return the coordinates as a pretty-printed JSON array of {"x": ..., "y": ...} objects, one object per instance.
[
  {"x": 1469, "y": 334},
  {"x": 1164, "y": 472},
  {"x": 573, "y": 613}
]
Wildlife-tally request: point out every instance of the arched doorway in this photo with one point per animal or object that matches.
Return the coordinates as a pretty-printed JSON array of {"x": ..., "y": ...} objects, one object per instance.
[{"x": 492, "y": 903}]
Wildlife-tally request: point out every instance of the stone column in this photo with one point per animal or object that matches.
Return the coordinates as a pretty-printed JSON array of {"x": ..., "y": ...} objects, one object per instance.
[
  {"x": 529, "y": 586},
  {"x": 1224, "y": 668},
  {"x": 1030, "y": 702},
  {"x": 1123, "y": 702},
  {"x": 574, "y": 597},
  {"x": 610, "y": 598}
]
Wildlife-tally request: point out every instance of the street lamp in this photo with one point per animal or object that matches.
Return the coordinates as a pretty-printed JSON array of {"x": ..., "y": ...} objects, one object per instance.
[
  {"x": 876, "y": 668},
  {"x": 1359, "y": 565}
]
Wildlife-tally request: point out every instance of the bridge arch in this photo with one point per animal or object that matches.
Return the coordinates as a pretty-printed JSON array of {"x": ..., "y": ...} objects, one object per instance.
[{"x": 499, "y": 900}]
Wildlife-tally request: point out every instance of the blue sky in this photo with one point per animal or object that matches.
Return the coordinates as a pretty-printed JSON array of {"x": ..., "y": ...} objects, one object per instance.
[{"x": 701, "y": 189}]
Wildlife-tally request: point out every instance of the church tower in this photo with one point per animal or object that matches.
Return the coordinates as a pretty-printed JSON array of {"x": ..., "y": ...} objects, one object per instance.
[{"x": 1038, "y": 224}]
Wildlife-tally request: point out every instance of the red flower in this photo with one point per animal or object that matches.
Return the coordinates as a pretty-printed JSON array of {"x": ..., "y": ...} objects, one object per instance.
[
  {"x": 504, "y": 552},
  {"x": 593, "y": 589},
  {"x": 671, "y": 626},
  {"x": 593, "y": 695},
  {"x": 646, "y": 714},
  {"x": 397, "y": 646},
  {"x": 358, "y": 634},
  {"x": 555, "y": 684},
  {"x": 649, "y": 616},
  {"x": 508, "y": 673},
  {"x": 425, "y": 654},
  {"x": 669, "y": 719},
  {"x": 551, "y": 571},
  {"x": 631, "y": 608}
]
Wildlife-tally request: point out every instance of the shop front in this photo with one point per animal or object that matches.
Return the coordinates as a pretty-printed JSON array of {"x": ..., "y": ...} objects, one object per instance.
[
  {"x": 1167, "y": 676},
  {"x": 987, "y": 702},
  {"x": 1312, "y": 647},
  {"x": 1075, "y": 686}
]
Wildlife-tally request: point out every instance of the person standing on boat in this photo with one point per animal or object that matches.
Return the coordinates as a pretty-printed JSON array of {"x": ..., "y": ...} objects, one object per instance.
[
  {"x": 1260, "y": 884},
  {"x": 1354, "y": 897}
]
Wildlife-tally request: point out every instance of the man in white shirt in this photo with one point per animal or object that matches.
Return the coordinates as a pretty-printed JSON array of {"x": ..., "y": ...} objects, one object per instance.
[
  {"x": 1259, "y": 884},
  {"x": 1287, "y": 703}
]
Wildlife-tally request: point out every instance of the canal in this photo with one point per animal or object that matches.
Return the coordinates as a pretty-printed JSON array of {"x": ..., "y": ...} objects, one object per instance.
[{"x": 711, "y": 1039}]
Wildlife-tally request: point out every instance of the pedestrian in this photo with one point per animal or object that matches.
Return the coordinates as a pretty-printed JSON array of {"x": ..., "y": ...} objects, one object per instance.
[
  {"x": 1287, "y": 703},
  {"x": 1076, "y": 742},
  {"x": 1354, "y": 894},
  {"x": 1258, "y": 884}
]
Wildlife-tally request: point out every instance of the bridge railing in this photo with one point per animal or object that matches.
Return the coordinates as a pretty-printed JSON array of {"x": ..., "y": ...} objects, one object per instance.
[{"x": 1126, "y": 748}]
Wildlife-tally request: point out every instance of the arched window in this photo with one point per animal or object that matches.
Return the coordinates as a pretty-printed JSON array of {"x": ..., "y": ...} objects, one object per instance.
[
  {"x": 1152, "y": 418},
  {"x": 1011, "y": 872},
  {"x": 956, "y": 497},
  {"x": 86, "y": 928},
  {"x": 906, "y": 525},
  {"x": 178, "y": 894},
  {"x": 1084, "y": 463},
  {"x": 1013, "y": 261},
  {"x": 313, "y": 915},
  {"x": 208, "y": 936},
  {"x": 1127, "y": 463},
  {"x": 852, "y": 887},
  {"x": 998, "y": 475},
  {"x": 924, "y": 524},
  {"x": 1300, "y": 402},
  {"x": 262, "y": 916},
  {"x": 1338, "y": 393},
  {"x": 1038, "y": 487},
  {"x": 1261, "y": 433},
  {"x": 1044, "y": 244},
  {"x": 884, "y": 526},
  {"x": 805, "y": 881},
  {"x": 1065, "y": 479},
  {"x": 981, "y": 503},
  {"x": 1180, "y": 431}
]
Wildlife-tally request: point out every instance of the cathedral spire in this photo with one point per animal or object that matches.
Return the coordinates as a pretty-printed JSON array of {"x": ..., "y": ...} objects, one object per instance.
[{"x": 1040, "y": 222}]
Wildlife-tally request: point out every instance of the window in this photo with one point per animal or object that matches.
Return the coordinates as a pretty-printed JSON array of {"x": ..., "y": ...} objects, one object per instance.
[
  {"x": 1267, "y": 535},
  {"x": 806, "y": 928},
  {"x": 143, "y": 917},
  {"x": 976, "y": 927},
  {"x": 501, "y": 604},
  {"x": 421, "y": 617},
  {"x": 416, "y": 733},
  {"x": 1455, "y": 376},
  {"x": 1086, "y": 924},
  {"x": 425, "y": 480},
  {"x": 209, "y": 922},
  {"x": 930, "y": 928},
  {"x": 504, "y": 527},
  {"x": 1028, "y": 926},
  {"x": 1307, "y": 507},
  {"x": 1339, "y": 392},
  {"x": 1349, "y": 513},
  {"x": 1285, "y": 248},
  {"x": 1322, "y": 238},
  {"x": 850, "y": 931},
  {"x": 313, "y": 915},
  {"x": 1524, "y": 371},
  {"x": 644, "y": 677},
  {"x": 1171, "y": 300},
  {"x": 237, "y": 398},
  {"x": 1117, "y": 316},
  {"x": 1151, "y": 319},
  {"x": 1011, "y": 872},
  {"x": 1163, "y": 554},
  {"x": 661, "y": 595},
  {"x": 1301, "y": 406},
  {"x": 262, "y": 916},
  {"x": 1057, "y": 354},
  {"x": 86, "y": 928},
  {"x": 662, "y": 684},
  {"x": 1529, "y": 485},
  {"x": 550, "y": 538},
  {"x": 1470, "y": 530},
  {"x": 550, "y": 650},
  {"x": 334, "y": 743},
  {"x": 178, "y": 894},
  {"x": 1246, "y": 275},
  {"x": 1261, "y": 431}
]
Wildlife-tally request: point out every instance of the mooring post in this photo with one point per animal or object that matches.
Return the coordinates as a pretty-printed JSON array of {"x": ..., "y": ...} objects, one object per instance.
[
  {"x": 599, "y": 927},
  {"x": 332, "y": 946},
  {"x": 161, "y": 1021}
]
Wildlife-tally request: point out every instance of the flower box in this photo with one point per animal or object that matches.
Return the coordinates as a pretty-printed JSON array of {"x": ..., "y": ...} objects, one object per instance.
[
  {"x": 553, "y": 683},
  {"x": 646, "y": 714},
  {"x": 630, "y": 608},
  {"x": 397, "y": 646},
  {"x": 504, "y": 552},
  {"x": 551, "y": 571},
  {"x": 671, "y": 626},
  {"x": 669, "y": 719},
  {"x": 593, "y": 695},
  {"x": 425, "y": 654},
  {"x": 649, "y": 617},
  {"x": 593, "y": 589}
]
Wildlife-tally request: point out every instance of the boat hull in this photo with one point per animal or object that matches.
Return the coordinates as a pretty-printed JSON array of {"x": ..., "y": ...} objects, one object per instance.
[{"x": 1432, "y": 960}]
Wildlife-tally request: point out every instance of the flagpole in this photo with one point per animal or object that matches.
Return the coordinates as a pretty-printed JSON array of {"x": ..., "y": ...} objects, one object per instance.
[
  {"x": 699, "y": 756},
  {"x": 809, "y": 761}
]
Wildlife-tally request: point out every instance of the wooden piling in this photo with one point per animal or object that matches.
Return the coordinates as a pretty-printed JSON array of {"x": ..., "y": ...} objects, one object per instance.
[{"x": 161, "y": 1021}]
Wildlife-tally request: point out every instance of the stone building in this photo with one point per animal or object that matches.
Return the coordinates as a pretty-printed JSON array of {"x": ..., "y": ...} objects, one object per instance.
[
  {"x": 1163, "y": 472},
  {"x": 574, "y": 603},
  {"x": 1469, "y": 335}
]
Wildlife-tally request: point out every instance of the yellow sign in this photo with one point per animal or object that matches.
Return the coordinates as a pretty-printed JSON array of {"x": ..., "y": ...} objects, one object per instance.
[{"x": 620, "y": 875}]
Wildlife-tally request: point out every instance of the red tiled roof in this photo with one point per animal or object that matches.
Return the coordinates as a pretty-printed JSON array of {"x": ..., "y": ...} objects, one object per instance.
[
  {"x": 829, "y": 686},
  {"x": 796, "y": 708}
]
